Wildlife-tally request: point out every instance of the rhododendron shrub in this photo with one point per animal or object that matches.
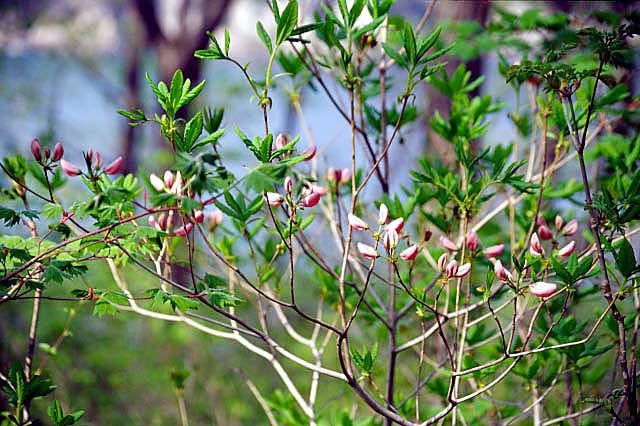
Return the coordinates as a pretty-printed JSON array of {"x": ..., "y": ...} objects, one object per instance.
[{"x": 472, "y": 295}]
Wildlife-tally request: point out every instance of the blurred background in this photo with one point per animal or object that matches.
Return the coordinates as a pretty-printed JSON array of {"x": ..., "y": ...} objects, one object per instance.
[{"x": 67, "y": 65}]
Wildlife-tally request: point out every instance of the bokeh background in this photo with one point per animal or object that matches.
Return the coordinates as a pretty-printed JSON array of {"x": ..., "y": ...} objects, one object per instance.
[{"x": 67, "y": 65}]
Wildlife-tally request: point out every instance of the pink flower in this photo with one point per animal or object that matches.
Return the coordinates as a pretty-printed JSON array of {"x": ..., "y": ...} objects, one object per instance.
[
  {"x": 536, "y": 247},
  {"x": 213, "y": 220},
  {"x": 472, "y": 240},
  {"x": 541, "y": 221},
  {"x": 274, "y": 199},
  {"x": 169, "y": 178},
  {"x": 463, "y": 270},
  {"x": 318, "y": 189},
  {"x": 288, "y": 185},
  {"x": 309, "y": 153},
  {"x": 544, "y": 232},
  {"x": 559, "y": 222},
  {"x": 356, "y": 223},
  {"x": 345, "y": 176},
  {"x": 542, "y": 289},
  {"x": 176, "y": 188},
  {"x": 333, "y": 175},
  {"x": 442, "y": 261},
  {"x": 367, "y": 251},
  {"x": 184, "y": 230},
  {"x": 570, "y": 228},
  {"x": 97, "y": 160},
  {"x": 153, "y": 223},
  {"x": 58, "y": 152},
  {"x": 163, "y": 221},
  {"x": 384, "y": 214},
  {"x": 427, "y": 235},
  {"x": 310, "y": 200},
  {"x": 566, "y": 251},
  {"x": 494, "y": 251},
  {"x": 447, "y": 243},
  {"x": 451, "y": 269},
  {"x": 396, "y": 224},
  {"x": 114, "y": 167},
  {"x": 281, "y": 141},
  {"x": 390, "y": 239},
  {"x": 198, "y": 216},
  {"x": 501, "y": 272},
  {"x": 69, "y": 168},
  {"x": 156, "y": 182},
  {"x": 409, "y": 253},
  {"x": 36, "y": 149}
]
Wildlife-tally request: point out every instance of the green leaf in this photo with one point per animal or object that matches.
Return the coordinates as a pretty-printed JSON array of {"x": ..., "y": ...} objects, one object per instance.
[
  {"x": 227, "y": 41},
  {"x": 264, "y": 36},
  {"x": 287, "y": 23},
  {"x": 625, "y": 258},
  {"x": 409, "y": 40},
  {"x": 192, "y": 131}
]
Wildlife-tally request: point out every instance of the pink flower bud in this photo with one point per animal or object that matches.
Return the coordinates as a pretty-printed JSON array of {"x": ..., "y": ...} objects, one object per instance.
[
  {"x": 114, "y": 167},
  {"x": 198, "y": 216},
  {"x": 156, "y": 182},
  {"x": 184, "y": 230},
  {"x": 427, "y": 235},
  {"x": 570, "y": 228},
  {"x": 390, "y": 239},
  {"x": 152, "y": 222},
  {"x": 309, "y": 153},
  {"x": 176, "y": 188},
  {"x": 281, "y": 141},
  {"x": 367, "y": 251},
  {"x": 274, "y": 199},
  {"x": 163, "y": 221},
  {"x": 494, "y": 251},
  {"x": 442, "y": 261},
  {"x": 397, "y": 224},
  {"x": 35, "y": 149},
  {"x": 544, "y": 232},
  {"x": 559, "y": 222},
  {"x": 333, "y": 175},
  {"x": 58, "y": 152},
  {"x": 472, "y": 240},
  {"x": 384, "y": 214},
  {"x": 542, "y": 289},
  {"x": 541, "y": 221},
  {"x": 310, "y": 200},
  {"x": 47, "y": 153},
  {"x": 356, "y": 223},
  {"x": 566, "y": 251},
  {"x": 169, "y": 178},
  {"x": 447, "y": 243},
  {"x": 319, "y": 189},
  {"x": 214, "y": 219},
  {"x": 410, "y": 253},
  {"x": 463, "y": 270},
  {"x": 288, "y": 185},
  {"x": 345, "y": 176},
  {"x": 451, "y": 269},
  {"x": 97, "y": 160},
  {"x": 69, "y": 169},
  {"x": 536, "y": 247},
  {"x": 501, "y": 272}
]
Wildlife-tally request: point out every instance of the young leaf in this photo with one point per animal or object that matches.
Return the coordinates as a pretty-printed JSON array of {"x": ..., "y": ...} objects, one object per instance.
[
  {"x": 287, "y": 23},
  {"x": 264, "y": 36}
]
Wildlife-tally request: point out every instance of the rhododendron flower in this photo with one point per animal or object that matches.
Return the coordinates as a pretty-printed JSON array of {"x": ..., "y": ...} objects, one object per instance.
[
  {"x": 541, "y": 221},
  {"x": 310, "y": 200},
  {"x": 274, "y": 199},
  {"x": 409, "y": 253},
  {"x": 472, "y": 240},
  {"x": 494, "y": 251},
  {"x": 442, "y": 261},
  {"x": 156, "y": 182},
  {"x": 452, "y": 270},
  {"x": 333, "y": 175},
  {"x": 115, "y": 166},
  {"x": 544, "y": 232},
  {"x": 566, "y": 251},
  {"x": 153, "y": 223},
  {"x": 390, "y": 239},
  {"x": 288, "y": 185},
  {"x": 213, "y": 220},
  {"x": 58, "y": 152},
  {"x": 367, "y": 251},
  {"x": 164, "y": 222},
  {"x": 318, "y": 189},
  {"x": 501, "y": 272},
  {"x": 69, "y": 169},
  {"x": 176, "y": 188},
  {"x": 536, "y": 247},
  {"x": 345, "y": 176},
  {"x": 309, "y": 153},
  {"x": 570, "y": 228},
  {"x": 36, "y": 149},
  {"x": 198, "y": 216},
  {"x": 384, "y": 214},
  {"x": 463, "y": 270},
  {"x": 169, "y": 178},
  {"x": 447, "y": 243},
  {"x": 559, "y": 222},
  {"x": 396, "y": 224},
  {"x": 356, "y": 223},
  {"x": 542, "y": 289},
  {"x": 184, "y": 230},
  {"x": 281, "y": 141}
]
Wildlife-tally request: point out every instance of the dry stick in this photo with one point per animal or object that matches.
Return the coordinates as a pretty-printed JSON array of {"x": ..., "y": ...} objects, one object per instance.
[{"x": 629, "y": 389}]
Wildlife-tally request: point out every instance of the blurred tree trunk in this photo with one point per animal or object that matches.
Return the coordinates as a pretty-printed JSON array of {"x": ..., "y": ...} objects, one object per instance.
[{"x": 447, "y": 10}]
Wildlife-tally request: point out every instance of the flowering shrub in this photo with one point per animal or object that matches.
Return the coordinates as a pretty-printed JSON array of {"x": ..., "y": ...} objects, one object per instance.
[{"x": 472, "y": 296}]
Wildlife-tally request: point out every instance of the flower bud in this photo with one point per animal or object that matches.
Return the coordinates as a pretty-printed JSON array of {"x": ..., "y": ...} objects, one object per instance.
[
  {"x": 214, "y": 219},
  {"x": 69, "y": 169},
  {"x": 442, "y": 261},
  {"x": 397, "y": 224},
  {"x": 36, "y": 150},
  {"x": 321, "y": 190},
  {"x": 163, "y": 221},
  {"x": 310, "y": 200},
  {"x": 114, "y": 167},
  {"x": 383, "y": 215},
  {"x": 156, "y": 182},
  {"x": 570, "y": 228},
  {"x": 367, "y": 251},
  {"x": 47, "y": 153},
  {"x": 168, "y": 178},
  {"x": 345, "y": 176},
  {"x": 184, "y": 230},
  {"x": 494, "y": 251},
  {"x": 281, "y": 141},
  {"x": 356, "y": 223},
  {"x": 427, "y": 235},
  {"x": 501, "y": 272},
  {"x": 447, "y": 243},
  {"x": 274, "y": 199},
  {"x": 542, "y": 289},
  {"x": 97, "y": 160},
  {"x": 410, "y": 253},
  {"x": 153, "y": 223},
  {"x": 333, "y": 175},
  {"x": 463, "y": 270},
  {"x": 288, "y": 185},
  {"x": 544, "y": 232},
  {"x": 541, "y": 221},
  {"x": 566, "y": 251},
  {"x": 309, "y": 153},
  {"x": 472, "y": 240},
  {"x": 176, "y": 188},
  {"x": 451, "y": 269},
  {"x": 58, "y": 152},
  {"x": 536, "y": 247},
  {"x": 559, "y": 222},
  {"x": 390, "y": 239},
  {"x": 198, "y": 216}
]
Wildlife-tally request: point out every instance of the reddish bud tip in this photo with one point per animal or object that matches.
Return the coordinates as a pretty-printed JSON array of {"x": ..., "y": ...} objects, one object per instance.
[
  {"x": 410, "y": 253},
  {"x": 58, "y": 152},
  {"x": 114, "y": 167},
  {"x": 69, "y": 169}
]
